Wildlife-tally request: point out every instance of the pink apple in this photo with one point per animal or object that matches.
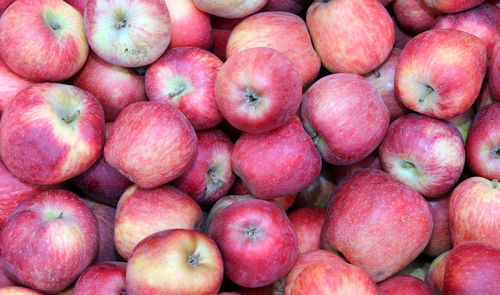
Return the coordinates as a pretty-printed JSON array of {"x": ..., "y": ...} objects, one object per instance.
[
  {"x": 424, "y": 153},
  {"x": 10, "y": 85},
  {"x": 185, "y": 78},
  {"x": 195, "y": 265},
  {"x": 441, "y": 238},
  {"x": 440, "y": 72},
  {"x": 359, "y": 206},
  {"x": 276, "y": 163},
  {"x": 345, "y": 116},
  {"x": 403, "y": 285},
  {"x": 230, "y": 8},
  {"x": 370, "y": 161},
  {"x": 414, "y": 15},
  {"x": 14, "y": 290},
  {"x": 51, "y": 132},
  {"x": 282, "y": 31},
  {"x": 483, "y": 142},
  {"x": 495, "y": 72},
  {"x": 307, "y": 223},
  {"x": 59, "y": 234},
  {"x": 319, "y": 192},
  {"x": 451, "y": 6},
  {"x": 258, "y": 90},
  {"x": 151, "y": 143},
  {"x": 257, "y": 242},
  {"x": 370, "y": 39},
  {"x": 142, "y": 212},
  {"x": 292, "y": 6},
  {"x": 106, "y": 224},
  {"x": 128, "y": 34},
  {"x": 107, "y": 278},
  {"x": 190, "y": 26},
  {"x": 57, "y": 48},
  {"x": 435, "y": 274},
  {"x": 211, "y": 175}
]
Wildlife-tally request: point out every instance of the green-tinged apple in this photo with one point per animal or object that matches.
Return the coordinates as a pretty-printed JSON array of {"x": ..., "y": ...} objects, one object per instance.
[
  {"x": 319, "y": 192},
  {"x": 462, "y": 122},
  {"x": 230, "y": 8},
  {"x": 435, "y": 274},
  {"x": 107, "y": 278}
]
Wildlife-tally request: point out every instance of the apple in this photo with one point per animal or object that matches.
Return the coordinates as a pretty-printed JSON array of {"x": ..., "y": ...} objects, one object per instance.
[
  {"x": 403, "y": 285},
  {"x": 106, "y": 224},
  {"x": 292, "y": 6},
  {"x": 360, "y": 205},
  {"x": 194, "y": 263},
  {"x": 276, "y": 163},
  {"x": 307, "y": 223},
  {"x": 495, "y": 72},
  {"x": 441, "y": 238},
  {"x": 51, "y": 132},
  {"x": 151, "y": 143},
  {"x": 114, "y": 87},
  {"x": 258, "y": 90},
  {"x": 345, "y": 116},
  {"x": 424, "y": 153},
  {"x": 462, "y": 122},
  {"x": 142, "y": 212},
  {"x": 5, "y": 281},
  {"x": 282, "y": 31},
  {"x": 57, "y": 48},
  {"x": 230, "y": 8},
  {"x": 77, "y": 4},
  {"x": 190, "y": 26},
  {"x": 383, "y": 79},
  {"x": 222, "y": 203},
  {"x": 4, "y": 4},
  {"x": 211, "y": 176},
  {"x": 221, "y": 30},
  {"x": 106, "y": 278},
  {"x": 59, "y": 234},
  {"x": 10, "y": 85},
  {"x": 370, "y": 161},
  {"x": 370, "y": 39},
  {"x": 239, "y": 188},
  {"x": 128, "y": 34},
  {"x": 414, "y": 16},
  {"x": 257, "y": 242},
  {"x": 485, "y": 98},
  {"x": 14, "y": 290},
  {"x": 435, "y": 274},
  {"x": 185, "y": 78},
  {"x": 472, "y": 268},
  {"x": 451, "y": 6},
  {"x": 400, "y": 36},
  {"x": 385, "y": 2},
  {"x": 440, "y": 72},
  {"x": 319, "y": 192},
  {"x": 483, "y": 142}
]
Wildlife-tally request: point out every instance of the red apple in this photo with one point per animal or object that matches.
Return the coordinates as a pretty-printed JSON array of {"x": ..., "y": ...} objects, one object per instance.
[
  {"x": 370, "y": 161},
  {"x": 403, "y": 285},
  {"x": 319, "y": 192},
  {"x": 360, "y": 205},
  {"x": 51, "y": 132},
  {"x": 223, "y": 203},
  {"x": 4, "y": 4},
  {"x": 190, "y": 26},
  {"x": 414, "y": 15},
  {"x": 128, "y": 34},
  {"x": 107, "y": 278},
  {"x": 485, "y": 98},
  {"x": 211, "y": 175},
  {"x": 185, "y": 78},
  {"x": 345, "y": 116},
  {"x": 401, "y": 37},
  {"x": 14, "y": 290},
  {"x": 292, "y": 6},
  {"x": 441, "y": 238},
  {"x": 195, "y": 265},
  {"x": 472, "y": 268},
  {"x": 10, "y": 85},
  {"x": 258, "y": 90},
  {"x": 276, "y": 163},
  {"x": 370, "y": 39},
  {"x": 424, "y": 153},
  {"x": 483, "y": 142},
  {"x": 282, "y": 31},
  {"x": 151, "y": 143},
  {"x": 451, "y": 6},
  {"x": 142, "y": 212},
  {"x": 307, "y": 223},
  {"x": 257, "y": 242},
  {"x": 230, "y": 8},
  {"x": 495, "y": 72},
  {"x": 221, "y": 30},
  {"x": 435, "y": 274},
  {"x": 59, "y": 234},
  {"x": 57, "y": 46},
  {"x": 77, "y": 4},
  {"x": 106, "y": 224},
  {"x": 440, "y": 72},
  {"x": 5, "y": 281}
]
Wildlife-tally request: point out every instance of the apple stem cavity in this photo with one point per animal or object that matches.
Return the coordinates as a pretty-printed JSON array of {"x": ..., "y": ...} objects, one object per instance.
[
  {"x": 253, "y": 232},
  {"x": 69, "y": 119},
  {"x": 496, "y": 153},
  {"x": 194, "y": 260},
  {"x": 214, "y": 182},
  {"x": 177, "y": 91},
  {"x": 428, "y": 91},
  {"x": 60, "y": 216},
  {"x": 251, "y": 98},
  {"x": 408, "y": 165},
  {"x": 122, "y": 23}
]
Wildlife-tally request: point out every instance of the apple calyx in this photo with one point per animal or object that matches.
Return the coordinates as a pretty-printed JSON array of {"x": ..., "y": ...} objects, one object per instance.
[
  {"x": 60, "y": 216},
  {"x": 253, "y": 232},
  {"x": 194, "y": 260},
  {"x": 213, "y": 180},
  {"x": 427, "y": 92},
  {"x": 251, "y": 98},
  {"x": 496, "y": 153}
]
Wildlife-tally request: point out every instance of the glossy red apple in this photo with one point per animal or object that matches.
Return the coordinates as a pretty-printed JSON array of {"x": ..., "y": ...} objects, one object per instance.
[
  {"x": 435, "y": 274},
  {"x": 190, "y": 26},
  {"x": 10, "y": 85},
  {"x": 403, "y": 285},
  {"x": 441, "y": 238},
  {"x": 106, "y": 278},
  {"x": 414, "y": 16},
  {"x": 106, "y": 224},
  {"x": 307, "y": 223}
]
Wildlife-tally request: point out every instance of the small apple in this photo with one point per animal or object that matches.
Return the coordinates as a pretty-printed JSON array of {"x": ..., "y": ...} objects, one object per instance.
[
  {"x": 441, "y": 238},
  {"x": 106, "y": 224}
]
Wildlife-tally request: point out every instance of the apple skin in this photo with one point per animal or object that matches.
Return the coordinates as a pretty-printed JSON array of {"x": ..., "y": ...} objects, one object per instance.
[
  {"x": 106, "y": 278},
  {"x": 494, "y": 73},
  {"x": 403, "y": 285},
  {"x": 435, "y": 274},
  {"x": 62, "y": 133},
  {"x": 221, "y": 30},
  {"x": 440, "y": 72},
  {"x": 58, "y": 47},
  {"x": 190, "y": 26},
  {"x": 383, "y": 79},
  {"x": 167, "y": 146},
  {"x": 451, "y": 6},
  {"x": 345, "y": 116},
  {"x": 485, "y": 98},
  {"x": 230, "y": 8},
  {"x": 280, "y": 162},
  {"x": 140, "y": 30},
  {"x": 307, "y": 223},
  {"x": 462, "y": 122},
  {"x": 483, "y": 142},
  {"x": 5, "y": 281},
  {"x": 190, "y": 255},
  {"x": 370, "y": 161},
  {"x": 473, "y": 211},
  {"x": 292, "y": 6},
  {"x": 211, "y": 175},
  {"x": 142, "y": 212},
  {"x": 59, "y": 234},
  {"x": 472, "y": 268},
  {"x": 4, "y": 4},
  {"x": 441, "y": 238},
  {"x": 273, "y": 248},
  {"x": 359, "y": 205},
  {"x": 77, "y": 4},
  {"x": 424, "y": 153},
  {"x": 114, "y": 87},
  {"x": 400, "y": 36},
  {"x": 414, "y": 16},
  {"x": 10, "y": 85},
  {"x": 319, "y": 192},
  {"x": 258, "y": 89},
  {"x": 239, "y": 188},
  {"x": 106, "y": 224},
  {"x": 371, "y": 38},
  {"x": 282, "y": 31},
  {"x": 15, "y": 290},
  {"x": 185, "y": 78}
]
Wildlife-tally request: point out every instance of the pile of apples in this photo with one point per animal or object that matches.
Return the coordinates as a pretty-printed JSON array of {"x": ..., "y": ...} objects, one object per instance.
[{"x": 157, "y": 147}]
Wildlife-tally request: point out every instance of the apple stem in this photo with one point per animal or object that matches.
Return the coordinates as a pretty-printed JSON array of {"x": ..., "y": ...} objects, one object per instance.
[
  {"x": 178, "y": 90},
  {"x": 429, "y": 90},
  {"x": 194, "y": 260},
  {"x": 121, "y": 24},
  {"x": 494, "y": 183},
  {"x": 214, "y": 182},
  {"x": 72, "y": 117}
]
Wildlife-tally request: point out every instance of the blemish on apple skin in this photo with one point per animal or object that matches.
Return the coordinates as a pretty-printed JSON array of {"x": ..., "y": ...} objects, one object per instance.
[{"x": 379, "y": 274}]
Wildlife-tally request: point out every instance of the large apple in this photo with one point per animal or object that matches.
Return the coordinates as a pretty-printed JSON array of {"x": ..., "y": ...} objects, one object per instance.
[
  {"x": 230, "y": 8},
  {"x": 403, "y": 285},
  {"x": 441, "y": 238},
  {"x": 107, "y": 278},
  {"x": 413, "y": 15},
  {"x": 59, "y": 234},
  {"x": 106, "y": 223},
  {"x": 10, "y": 85},
  {"x": 451, "y": 6},
  {"x": 190, "y": 26},
  {"x": 130, "y": 33},
  {"x": 51, "y": 132},
  {"x": 57, "y": 46},
  {"x": 440, "y": 72}
]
